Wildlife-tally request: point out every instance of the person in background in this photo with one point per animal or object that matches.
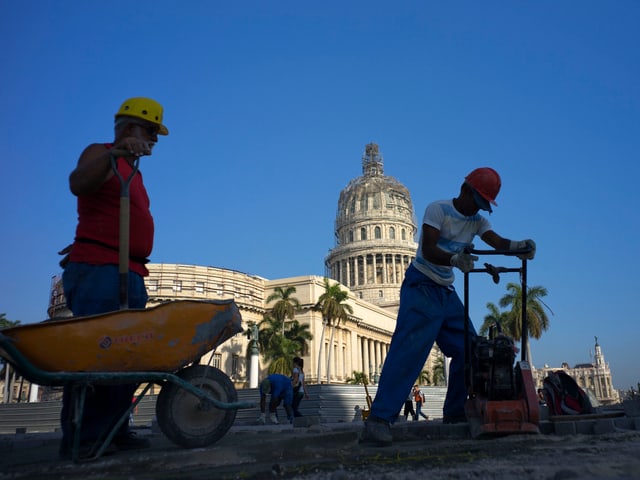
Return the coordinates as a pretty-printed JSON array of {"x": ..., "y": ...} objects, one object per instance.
[
  {"x": 281, "y": 390},
  {"x": 430, "y": 309},
  {"x": 418, "y": 396},
  {"x": 90, "y": 278},
  {"x": 299, "y": 386},
  {"x": 408, "y": 407}
]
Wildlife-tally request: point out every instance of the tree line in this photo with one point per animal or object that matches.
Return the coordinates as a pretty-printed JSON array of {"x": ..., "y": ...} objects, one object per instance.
[{"x": 282, "y": 337}]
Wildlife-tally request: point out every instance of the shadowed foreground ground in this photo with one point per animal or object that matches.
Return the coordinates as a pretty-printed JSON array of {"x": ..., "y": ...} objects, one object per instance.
[{"x": 333, "y": 452}]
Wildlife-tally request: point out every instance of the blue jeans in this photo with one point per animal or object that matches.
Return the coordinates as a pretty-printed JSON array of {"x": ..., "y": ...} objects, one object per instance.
[
  {"x": 419, "y": 411},
  {"x": 428, "y": 313},
  {"x": 89, "y": 290}
]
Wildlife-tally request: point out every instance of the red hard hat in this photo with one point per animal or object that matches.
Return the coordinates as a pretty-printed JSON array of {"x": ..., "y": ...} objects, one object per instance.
[{"x": 486, "y": 182}]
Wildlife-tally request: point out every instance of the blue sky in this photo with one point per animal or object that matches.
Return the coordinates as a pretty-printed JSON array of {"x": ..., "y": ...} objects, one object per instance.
[{"x": 270, "y": 106}]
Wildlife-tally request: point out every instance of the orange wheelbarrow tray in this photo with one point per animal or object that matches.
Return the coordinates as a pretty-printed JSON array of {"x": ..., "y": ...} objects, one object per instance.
[{"x": 161, "y": 345}]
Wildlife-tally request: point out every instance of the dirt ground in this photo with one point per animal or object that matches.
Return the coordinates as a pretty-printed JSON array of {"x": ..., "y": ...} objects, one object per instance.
[{"x": 334, "y": 453}]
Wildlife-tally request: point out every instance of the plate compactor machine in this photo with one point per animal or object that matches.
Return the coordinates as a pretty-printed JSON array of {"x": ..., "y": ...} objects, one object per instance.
[{"x": 502, "y": 397}]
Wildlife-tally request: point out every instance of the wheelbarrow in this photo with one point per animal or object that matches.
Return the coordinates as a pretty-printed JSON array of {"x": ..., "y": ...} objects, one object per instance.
[{"x": 161, "y": 345}]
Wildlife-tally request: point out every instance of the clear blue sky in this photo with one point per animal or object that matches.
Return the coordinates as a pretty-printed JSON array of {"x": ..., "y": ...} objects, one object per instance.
[{"x": 270, "y": 106}]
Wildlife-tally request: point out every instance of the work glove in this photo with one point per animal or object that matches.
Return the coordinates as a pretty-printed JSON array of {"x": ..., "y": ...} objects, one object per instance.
[
  {"x": 464, "y": 261},
  {"x": 522, "y": 244}
]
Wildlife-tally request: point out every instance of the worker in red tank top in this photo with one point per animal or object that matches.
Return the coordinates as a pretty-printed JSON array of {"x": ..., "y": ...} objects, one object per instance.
[
  {"x": 91, "y": 275},
  {"x": 97, "y": 234}
]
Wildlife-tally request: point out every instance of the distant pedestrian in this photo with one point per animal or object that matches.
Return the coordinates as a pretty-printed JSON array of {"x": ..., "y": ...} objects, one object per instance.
[
  {"x": 418, "y": 396},
  {"x": 133, "y": 411},
  {"x": 281, "y": 390},
  {"x": 408, "y": 408},
  {"x": 299, "y": 386}
]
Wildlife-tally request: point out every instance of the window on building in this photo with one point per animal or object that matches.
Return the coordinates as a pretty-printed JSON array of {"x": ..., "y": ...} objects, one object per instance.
[
  {"x": 377, "y": 233},
  {"x": 380, "y": 293},
  {"x": 363, "y": 233},
  {"x": 216, "y": 361},
  {"x": 177, "y": 285},
  {"x": 392, "y": 233},
  {"x": 404, "y": 234},
  {"x": 350, "y": 235},
  {"x": 235, "y": 364},
  {"x": 152, "y": 285},
  {"x": 200, "y": 287}
]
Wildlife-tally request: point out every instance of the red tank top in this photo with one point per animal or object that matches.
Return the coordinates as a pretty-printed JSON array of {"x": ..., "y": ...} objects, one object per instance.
[{"x": 97, "y": 233}]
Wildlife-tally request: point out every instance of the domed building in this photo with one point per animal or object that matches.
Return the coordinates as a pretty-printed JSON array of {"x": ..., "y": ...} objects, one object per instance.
[{"x": 374, "y": 232}]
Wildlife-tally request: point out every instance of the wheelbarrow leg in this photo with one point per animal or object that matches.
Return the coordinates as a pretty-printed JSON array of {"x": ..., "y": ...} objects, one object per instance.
[
  {"x": 79, "y": 393},
  {"x": 114, "y": 430},
  {"x": 102, "y": 443}
]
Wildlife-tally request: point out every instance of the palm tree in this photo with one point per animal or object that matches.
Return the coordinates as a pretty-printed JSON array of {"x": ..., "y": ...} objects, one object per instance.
[
  {"x": 424, "y": 378},
  {"x": 300, "y": 334},
  {"x": 269, "y": 331},
  {"x": 6, "y": 323},
  {"x": 279, "y": 350},
  {"x": 286, "y": 305},
  {"x": 537, "y": 319},
  {"x": 334, "y": 310},
  {"x": 494, "y": 317},
  {"x": 281, "y": 356},
  {"x": 437, "y": 375},
  {"x": 358, "y": 378}
]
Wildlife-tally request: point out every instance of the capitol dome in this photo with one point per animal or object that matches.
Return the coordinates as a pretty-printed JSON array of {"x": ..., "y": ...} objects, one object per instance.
[{"x": 375, "y": 234}]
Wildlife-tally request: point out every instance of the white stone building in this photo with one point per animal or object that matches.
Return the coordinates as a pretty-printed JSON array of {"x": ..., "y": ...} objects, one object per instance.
[{"x": 595, "y": 377}]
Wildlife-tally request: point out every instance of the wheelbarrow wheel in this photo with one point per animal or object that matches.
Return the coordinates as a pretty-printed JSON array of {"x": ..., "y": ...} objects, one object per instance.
[{"x": 185, "y": 419}]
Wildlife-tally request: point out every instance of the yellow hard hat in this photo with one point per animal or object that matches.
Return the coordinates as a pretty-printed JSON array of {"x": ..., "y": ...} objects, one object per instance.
[{"x": 146, "y": 109}]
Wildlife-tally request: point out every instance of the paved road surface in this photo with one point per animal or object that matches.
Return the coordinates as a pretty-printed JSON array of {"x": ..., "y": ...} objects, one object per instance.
[{"x": 428, "y": 449}]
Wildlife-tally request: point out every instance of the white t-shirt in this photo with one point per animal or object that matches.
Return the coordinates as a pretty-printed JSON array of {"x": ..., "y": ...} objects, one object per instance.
[
  {"x": 456, "y": 233},
  {"x": 300, "y": 377}
]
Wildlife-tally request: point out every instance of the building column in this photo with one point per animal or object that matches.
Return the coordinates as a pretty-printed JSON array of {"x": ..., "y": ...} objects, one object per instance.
[
  {"x": 374, "y": 264},
  {"x": 372, "y": 359},
  {"x": 354, "y": 352}
]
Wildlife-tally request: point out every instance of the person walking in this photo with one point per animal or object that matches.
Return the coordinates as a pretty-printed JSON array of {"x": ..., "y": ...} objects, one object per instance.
[
  {"x": 91, "y": 268},
  {"x": 281, "y": 390},
  {"x": 299, "y": 386},
  {"x": 430, "y": 309},
  {"x": 408, "y": 408},
  {"x": 418, "y": 396}
]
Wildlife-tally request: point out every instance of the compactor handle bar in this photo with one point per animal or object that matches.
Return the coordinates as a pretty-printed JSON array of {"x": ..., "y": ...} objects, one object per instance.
[
  {"x": 495, "y": 274},
  {"x": 509, "y": 253}
]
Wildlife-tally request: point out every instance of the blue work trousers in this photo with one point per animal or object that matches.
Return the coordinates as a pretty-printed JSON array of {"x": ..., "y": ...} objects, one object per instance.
[
  {"x": 89, "y": 290},
  {"x": 428, "y": 313}
]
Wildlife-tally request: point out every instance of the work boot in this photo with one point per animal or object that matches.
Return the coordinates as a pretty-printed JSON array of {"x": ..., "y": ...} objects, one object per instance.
[
  {"x": 451, "y": 419},
  {"x": 131, "y": 441},
  {"x": 86, "y": 449},
  {"x": 377, "y": 432}
]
